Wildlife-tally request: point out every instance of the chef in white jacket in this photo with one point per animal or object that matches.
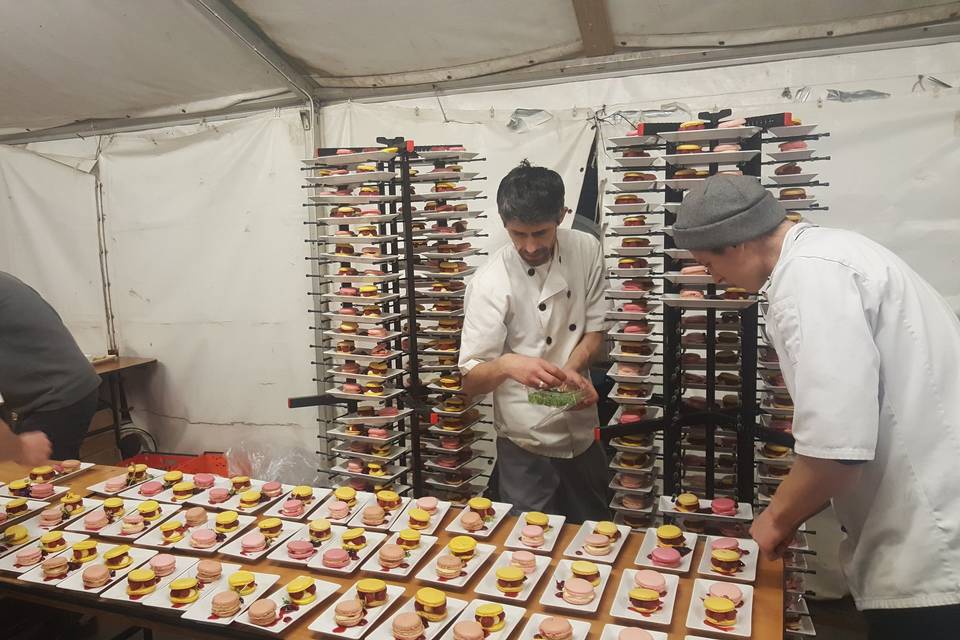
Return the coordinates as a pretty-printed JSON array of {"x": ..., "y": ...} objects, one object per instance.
[
  {"x": 869, "y": 352},
  {"x": 534, "y": 318}
]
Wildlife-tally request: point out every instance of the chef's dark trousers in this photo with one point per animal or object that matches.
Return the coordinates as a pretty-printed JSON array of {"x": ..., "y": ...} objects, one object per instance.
[
  {"x": 928, "y": 623},
  {"x": 66, "y": 428},
  {"x": 573, "y": 487}
]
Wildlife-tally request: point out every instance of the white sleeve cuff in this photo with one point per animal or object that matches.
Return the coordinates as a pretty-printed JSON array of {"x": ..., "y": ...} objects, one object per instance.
[
  {"x": 834, "y": 453},
  {"x": 466, "y": 367}
]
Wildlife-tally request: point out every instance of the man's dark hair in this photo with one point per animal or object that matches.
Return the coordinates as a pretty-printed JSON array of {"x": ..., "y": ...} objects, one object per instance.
[{"x": 531, "y": 195}]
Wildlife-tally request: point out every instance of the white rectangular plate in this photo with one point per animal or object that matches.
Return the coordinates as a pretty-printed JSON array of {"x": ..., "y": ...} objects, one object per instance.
[
  {"x": 161, "y": 599},
  {"x": 429, "y": 571},
  {"x": 118, "y": 591},
  {"x": 101, "y": 487},
  {"x": 288, "y": 617},
  {"x": 650, "y": 543},
  {"x": 155, "y": 539},
  {"x": 787, "y": 156},
  {"x": 201, "y": 612},
  {"x": 33, "y": 506},
  {"x": 8, "y": 563},
  {"x": 621, "y": 605},
  {"x": 501, "y": 509},
  {"x": 612, "y": 632},
  {"x": 431, "y": 629},
  {"x": 744, "y": 510},
  {"x": 574, "y": 549},
  {"x": 75, "y": 581},
  {"x": 549, "y": 598},
  {"x": 233, "y": 503},
  {"x": 488, "y": 584},
  {"x": 796, "y": 178},
  {"x": 115, "y": 529},
  {"x": 705, "y": 135},
  {"x": 696, "y": 615},
  {"x": 276, "y": 509},
  {"x": 581, "y": 628},
  {"x": 512, "y": 617},
  {"x": 58, "y": 491},
  {"x": 414, "y": 557},
  {"x": 327, "y": 625},
  {"x": 747, "y": 573},
  {"x": 549, "y": 536},
  {"x": 234, "y": 548},
  {"x": 391, "y": 517},
  {"x": 402, "y": 522},
  {"x": 374, "y": 539},
  {"x": 279, "y": 552}
]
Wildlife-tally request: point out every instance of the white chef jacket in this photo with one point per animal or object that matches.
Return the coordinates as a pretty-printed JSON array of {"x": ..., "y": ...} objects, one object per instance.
[
  {"x": 507, "y": 310},
  {"x": 870, "y": 354}
]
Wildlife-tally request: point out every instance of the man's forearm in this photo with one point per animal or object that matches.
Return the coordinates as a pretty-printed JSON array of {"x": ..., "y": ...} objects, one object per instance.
[
  {"x": 485, "y": 377},
  {"x": 584, "y": 352},
  {"x": 811, "y": 484}
]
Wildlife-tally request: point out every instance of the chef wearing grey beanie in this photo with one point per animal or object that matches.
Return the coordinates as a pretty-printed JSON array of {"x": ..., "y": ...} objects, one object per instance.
[{"x": 868, "y": 351}]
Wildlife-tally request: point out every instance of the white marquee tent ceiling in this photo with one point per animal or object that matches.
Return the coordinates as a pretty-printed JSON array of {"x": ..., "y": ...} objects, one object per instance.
[{"x": 69, "y": 61}]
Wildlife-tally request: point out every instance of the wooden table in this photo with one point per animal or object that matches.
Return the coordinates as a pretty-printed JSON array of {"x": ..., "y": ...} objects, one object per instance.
[
  {"x": 767, "y": 604},
  {"x": 110, "y": 372}
]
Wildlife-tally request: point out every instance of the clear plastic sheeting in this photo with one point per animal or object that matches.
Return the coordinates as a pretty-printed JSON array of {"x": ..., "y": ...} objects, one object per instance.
[
  {"x": 271, "y": 461},
  {"x": 856, "y": 96}
]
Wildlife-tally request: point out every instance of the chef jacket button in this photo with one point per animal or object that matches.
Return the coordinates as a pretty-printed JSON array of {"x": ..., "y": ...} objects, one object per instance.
[
  {"x": 531, "y": 271},
  {"x": 542, "y": 306},
  {"x": 573, "y": 327},
  {"x": 568, "y": 294},
  {"x": 549, "y": 340}
]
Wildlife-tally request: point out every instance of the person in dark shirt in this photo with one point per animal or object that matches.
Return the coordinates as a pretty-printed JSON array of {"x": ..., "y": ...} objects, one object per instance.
[{"x": 46, "y": 381}]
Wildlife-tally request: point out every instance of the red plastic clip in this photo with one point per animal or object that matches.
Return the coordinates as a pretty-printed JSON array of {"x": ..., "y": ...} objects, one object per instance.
[
  {"x": 410, "y": 146},
  {"x": 596, "y": 434},
  {"x": 640, "y": 129},
  {"x": 787, "y": 119},
  {"x": 434, "y": 418}
]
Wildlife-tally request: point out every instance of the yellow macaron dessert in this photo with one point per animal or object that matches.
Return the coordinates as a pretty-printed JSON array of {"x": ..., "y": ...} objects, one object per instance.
[{"x": 184, "y": 591}]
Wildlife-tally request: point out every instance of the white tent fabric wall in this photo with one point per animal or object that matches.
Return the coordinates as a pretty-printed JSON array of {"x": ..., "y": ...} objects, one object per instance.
[
  {"x": 562, "y": 143},
  {"x": 48, "y": 226},
  {"x": 207, "y": 259}
]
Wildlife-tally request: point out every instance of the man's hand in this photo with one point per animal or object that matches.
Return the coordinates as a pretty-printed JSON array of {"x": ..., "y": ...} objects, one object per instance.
[
  {"x": 590, "y": 396},
  {"x": 33, "y": 449},
  {"x": 532, "y": 372},
  {"x": 771, "y": 536}
]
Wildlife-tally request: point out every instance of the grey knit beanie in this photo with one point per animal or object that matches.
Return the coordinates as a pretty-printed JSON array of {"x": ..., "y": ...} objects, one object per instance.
[{"x": 724, "y": 211}]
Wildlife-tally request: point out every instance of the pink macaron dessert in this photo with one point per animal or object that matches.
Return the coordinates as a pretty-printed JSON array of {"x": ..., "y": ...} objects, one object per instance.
[
  {"x": 578, "y": 591},
  {"x": 335, "y": 558},
  {"x": 649, "y": 579},
  {"x": 633, "y": 633},
  {"x": 726, "y": 590},
  {"x": 388, "y": 412},
  {"x": 203, "y": 481},
  {"x": 292, "y": 508},
  {"x": 271, "y": 489},
  {"x": 723, "y": 507},
  {"x": 149, "y": 489},
  {"x": 730, "y": 146},
  {"x": 628, "y": 481},
  {"x": 793, "y": 145},
  {"x": 376, "y": 432},
  {"x": 732, "y": 123},
  {"x": 28, "y": 557},
  {"x": 218, "y": 496},
  {"x": 428, "y": 504},
  {"x": 253, "y": 543},
  {"x": 525, "y": 561},
  {"x": 202, "y": 539},
  {"x": 41, "y": 491},
  {"x": 115, "y": 484},
  {"x": 352, "y": 388},
  {"x": 729, "y": 544},
  {"x": 95, "y": 520},
  {"x": 51, "y": 517},
  {"x": 666, "y": 557},
  {"x": 338, "y": 509},
  {"x": 300, "y": 550},
  {"x": 163, "y": 564},
  {"x": 634, "y": 307},
  {"x": 532, "y": 536},
  {"x": 634, "y": 327}
]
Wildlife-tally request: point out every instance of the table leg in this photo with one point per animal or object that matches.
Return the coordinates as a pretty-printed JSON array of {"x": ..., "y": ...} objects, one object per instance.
[{"x": 114, "y": 383}]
